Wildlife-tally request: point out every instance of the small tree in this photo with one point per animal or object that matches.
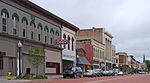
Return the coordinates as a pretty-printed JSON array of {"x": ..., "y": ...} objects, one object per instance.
[
  {"x": 125, "y": 69},
  {"x": 36, "y": 57}
]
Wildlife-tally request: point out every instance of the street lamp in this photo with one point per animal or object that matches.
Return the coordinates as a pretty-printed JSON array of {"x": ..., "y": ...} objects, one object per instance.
[{"x": 19, "y": 46}]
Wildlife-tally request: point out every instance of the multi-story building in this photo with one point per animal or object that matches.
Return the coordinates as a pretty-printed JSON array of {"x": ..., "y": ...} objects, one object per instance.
[
  {"x": 22, "y": 20},
  {"x": 69, "y": 51},
  {"x": 84, "y": 60},
  {"x": 101, "y": 35},
  {"x": 122, "y": 59},
  {"x": 114, "y": 65},
  {"x": 98, "y": 51}
]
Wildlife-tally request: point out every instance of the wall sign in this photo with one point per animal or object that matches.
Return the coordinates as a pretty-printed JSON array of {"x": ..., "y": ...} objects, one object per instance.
[{"x": 61, "y": 41}]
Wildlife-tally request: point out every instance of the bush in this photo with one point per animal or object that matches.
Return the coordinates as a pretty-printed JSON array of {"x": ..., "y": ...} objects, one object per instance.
[
  {"x": 41, "y": 77},
  {"x": 19, "y": 77},
  {"x": 28, "y": 76}
]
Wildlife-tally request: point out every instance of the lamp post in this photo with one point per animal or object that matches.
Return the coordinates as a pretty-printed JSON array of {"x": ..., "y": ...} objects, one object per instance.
[{"x": 19, "y": 46}]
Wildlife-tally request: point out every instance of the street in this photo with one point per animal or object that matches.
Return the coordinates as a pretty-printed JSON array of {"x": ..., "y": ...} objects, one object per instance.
[{"x": 136, "y": 78}]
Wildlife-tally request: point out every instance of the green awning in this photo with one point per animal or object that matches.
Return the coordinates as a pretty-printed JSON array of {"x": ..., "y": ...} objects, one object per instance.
[
  {"x": 82, "y": 60},
  {"x": 15, "y": 15},
  {"x": 46, "y": 28},
  {"x": 4, "y": 10},
  {"x": 57, "y": 32},
  {"x": 52, "y": 30},
  {"x": 40, "y": 25},
  {"x": 32, "y": 22},
  {"x": 25, "y": 19}
]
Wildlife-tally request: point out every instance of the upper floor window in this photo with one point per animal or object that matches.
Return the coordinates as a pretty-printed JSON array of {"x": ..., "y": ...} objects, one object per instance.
[
  {"x": 15, "y": 18},
  {"x": 14, "y": 25},
  {"x": 72, "y": 44},
  {"x": 25, "y": 23},
  {"x": 64, "y": 36},
  {"x": 46, "y": 30},
  {"x": 45, "y": 39},
  {"x": 5, "y": 15},
  {"x": 33, "y": 25},
  {"x": 52, "y": 35},
  {"x": 4, "y": 22},
  {"x": 32, "y": 35},
  {"x": 39, "y": 37},
  {"x": 68, "y": 42}
]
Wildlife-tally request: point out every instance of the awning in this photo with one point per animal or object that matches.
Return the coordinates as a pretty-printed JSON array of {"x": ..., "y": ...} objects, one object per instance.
[{"x": 82, "y": 60}]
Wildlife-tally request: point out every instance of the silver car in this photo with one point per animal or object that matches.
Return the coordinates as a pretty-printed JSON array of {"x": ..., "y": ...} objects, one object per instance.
[{"x": 89, "y": 73}]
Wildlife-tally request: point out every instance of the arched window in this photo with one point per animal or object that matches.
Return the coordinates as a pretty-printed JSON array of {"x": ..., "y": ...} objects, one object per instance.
[
  {"x": 4, "y": 22},
  {"x": 33, "y": 25},
  {"x": 25, "y": 23},
  {"x": 72, "y": 44},
  {"x": 46, "y": 35},
  {"x": 68, "y": 42},
  {"x": 52, "y": 35},
  {"x": 5, "y": 16},
  {"x": 57, "y": 33},
  {"x": 15, "y": 18},
  {"x": 40, "y": 34},
  {"x": 64, "y": 36}
]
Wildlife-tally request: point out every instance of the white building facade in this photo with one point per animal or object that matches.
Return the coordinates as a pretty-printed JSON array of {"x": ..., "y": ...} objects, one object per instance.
[{"x": 69, "y": 51}]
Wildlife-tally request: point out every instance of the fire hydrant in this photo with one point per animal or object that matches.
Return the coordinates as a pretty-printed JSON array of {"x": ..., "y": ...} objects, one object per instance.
[{"x": 9, "y": 75}]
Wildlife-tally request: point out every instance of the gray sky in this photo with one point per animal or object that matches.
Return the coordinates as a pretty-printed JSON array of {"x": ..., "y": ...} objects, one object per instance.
[{"x": 127, "y": 20}]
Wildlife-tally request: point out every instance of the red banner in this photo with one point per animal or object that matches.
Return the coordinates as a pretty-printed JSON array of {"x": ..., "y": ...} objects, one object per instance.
[{"x": 61, "y": 41}]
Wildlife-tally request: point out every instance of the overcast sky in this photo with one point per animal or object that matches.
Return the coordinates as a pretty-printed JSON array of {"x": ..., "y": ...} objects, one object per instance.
[{"x": 127, "y": 20}]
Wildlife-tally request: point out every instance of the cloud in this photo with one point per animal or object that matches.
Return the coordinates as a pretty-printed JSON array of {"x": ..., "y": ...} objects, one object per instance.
[{"x": 127, "y": 20}]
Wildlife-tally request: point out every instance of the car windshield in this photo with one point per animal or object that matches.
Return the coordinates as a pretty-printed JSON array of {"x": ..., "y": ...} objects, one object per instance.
[
  {"x": 89, "y": 70},
  {"x": 73, "y": 69}
]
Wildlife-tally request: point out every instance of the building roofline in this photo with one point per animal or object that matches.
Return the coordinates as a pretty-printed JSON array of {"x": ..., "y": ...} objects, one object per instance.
[
  {"x": 30, "y": 5},
  {"x": 90, "y": 40}
]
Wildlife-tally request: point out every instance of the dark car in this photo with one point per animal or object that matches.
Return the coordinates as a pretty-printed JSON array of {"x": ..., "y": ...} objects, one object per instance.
[
  {"x": 89, "y": 73},
  {"x": 73, "y": 72},
  {"x": 99, "y": 72}
]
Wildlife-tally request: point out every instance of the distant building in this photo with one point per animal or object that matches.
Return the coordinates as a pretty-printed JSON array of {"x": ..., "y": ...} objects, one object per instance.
[{"x": 101, "y": 35}]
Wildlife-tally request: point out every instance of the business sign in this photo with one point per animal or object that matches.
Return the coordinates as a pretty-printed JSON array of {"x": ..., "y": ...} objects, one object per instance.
[{"x": 61, "y": 41}]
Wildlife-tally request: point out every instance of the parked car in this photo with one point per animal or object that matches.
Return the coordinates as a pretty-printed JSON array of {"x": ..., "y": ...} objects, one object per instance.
[
  {"x": 142, "y": 72},
  {"x": 99, "y": 72},
  {"x": 106, "y": 73},
  {"x": 89, "y": 73},
  {"x": 73, "y": 72},
  {"x": 112, "y": 73},
  {"x": 120, "y": 73}
]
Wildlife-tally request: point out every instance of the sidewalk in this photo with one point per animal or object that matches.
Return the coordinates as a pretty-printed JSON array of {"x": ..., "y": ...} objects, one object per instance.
[{"x": 4, "y": 79}]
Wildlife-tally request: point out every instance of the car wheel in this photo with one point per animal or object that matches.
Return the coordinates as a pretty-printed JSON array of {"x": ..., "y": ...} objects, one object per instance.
[
  {"x": 64, "y": 76},
  {"x": 75, "y": 75},
  {"x": 81, "y": 76}
]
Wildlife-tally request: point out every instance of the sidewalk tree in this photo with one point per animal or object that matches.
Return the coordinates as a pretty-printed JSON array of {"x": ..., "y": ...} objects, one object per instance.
[
  {"x": 125, "y": 68},
  {"x": 36, "y": 57},
  {"x": 148, "y": 64}
]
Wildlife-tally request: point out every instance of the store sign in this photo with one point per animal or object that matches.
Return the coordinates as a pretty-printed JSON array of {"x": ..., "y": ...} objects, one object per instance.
[{"x": 61, "y": 41}]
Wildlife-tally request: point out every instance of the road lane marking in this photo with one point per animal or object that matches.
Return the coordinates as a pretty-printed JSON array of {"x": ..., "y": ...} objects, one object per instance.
[{"x": 113, "y": 79}]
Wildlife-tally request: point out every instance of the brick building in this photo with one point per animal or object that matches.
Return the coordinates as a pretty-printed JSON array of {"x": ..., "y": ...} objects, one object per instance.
[
  {"x": 101, "y": 35},
  {"x": 94, "y": 52}
]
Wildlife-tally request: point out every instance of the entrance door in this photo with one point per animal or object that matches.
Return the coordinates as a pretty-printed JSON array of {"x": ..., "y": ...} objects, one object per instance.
[{"x": 57, "y": 68}]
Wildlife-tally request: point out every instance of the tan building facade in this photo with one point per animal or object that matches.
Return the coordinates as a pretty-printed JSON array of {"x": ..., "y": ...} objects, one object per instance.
[
  {"x": 33, "y": 26},
  {"x": 100, "y": 34}
]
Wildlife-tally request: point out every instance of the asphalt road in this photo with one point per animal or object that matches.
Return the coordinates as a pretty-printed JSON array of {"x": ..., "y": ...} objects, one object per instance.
[{"x": 136, "y": 78}]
